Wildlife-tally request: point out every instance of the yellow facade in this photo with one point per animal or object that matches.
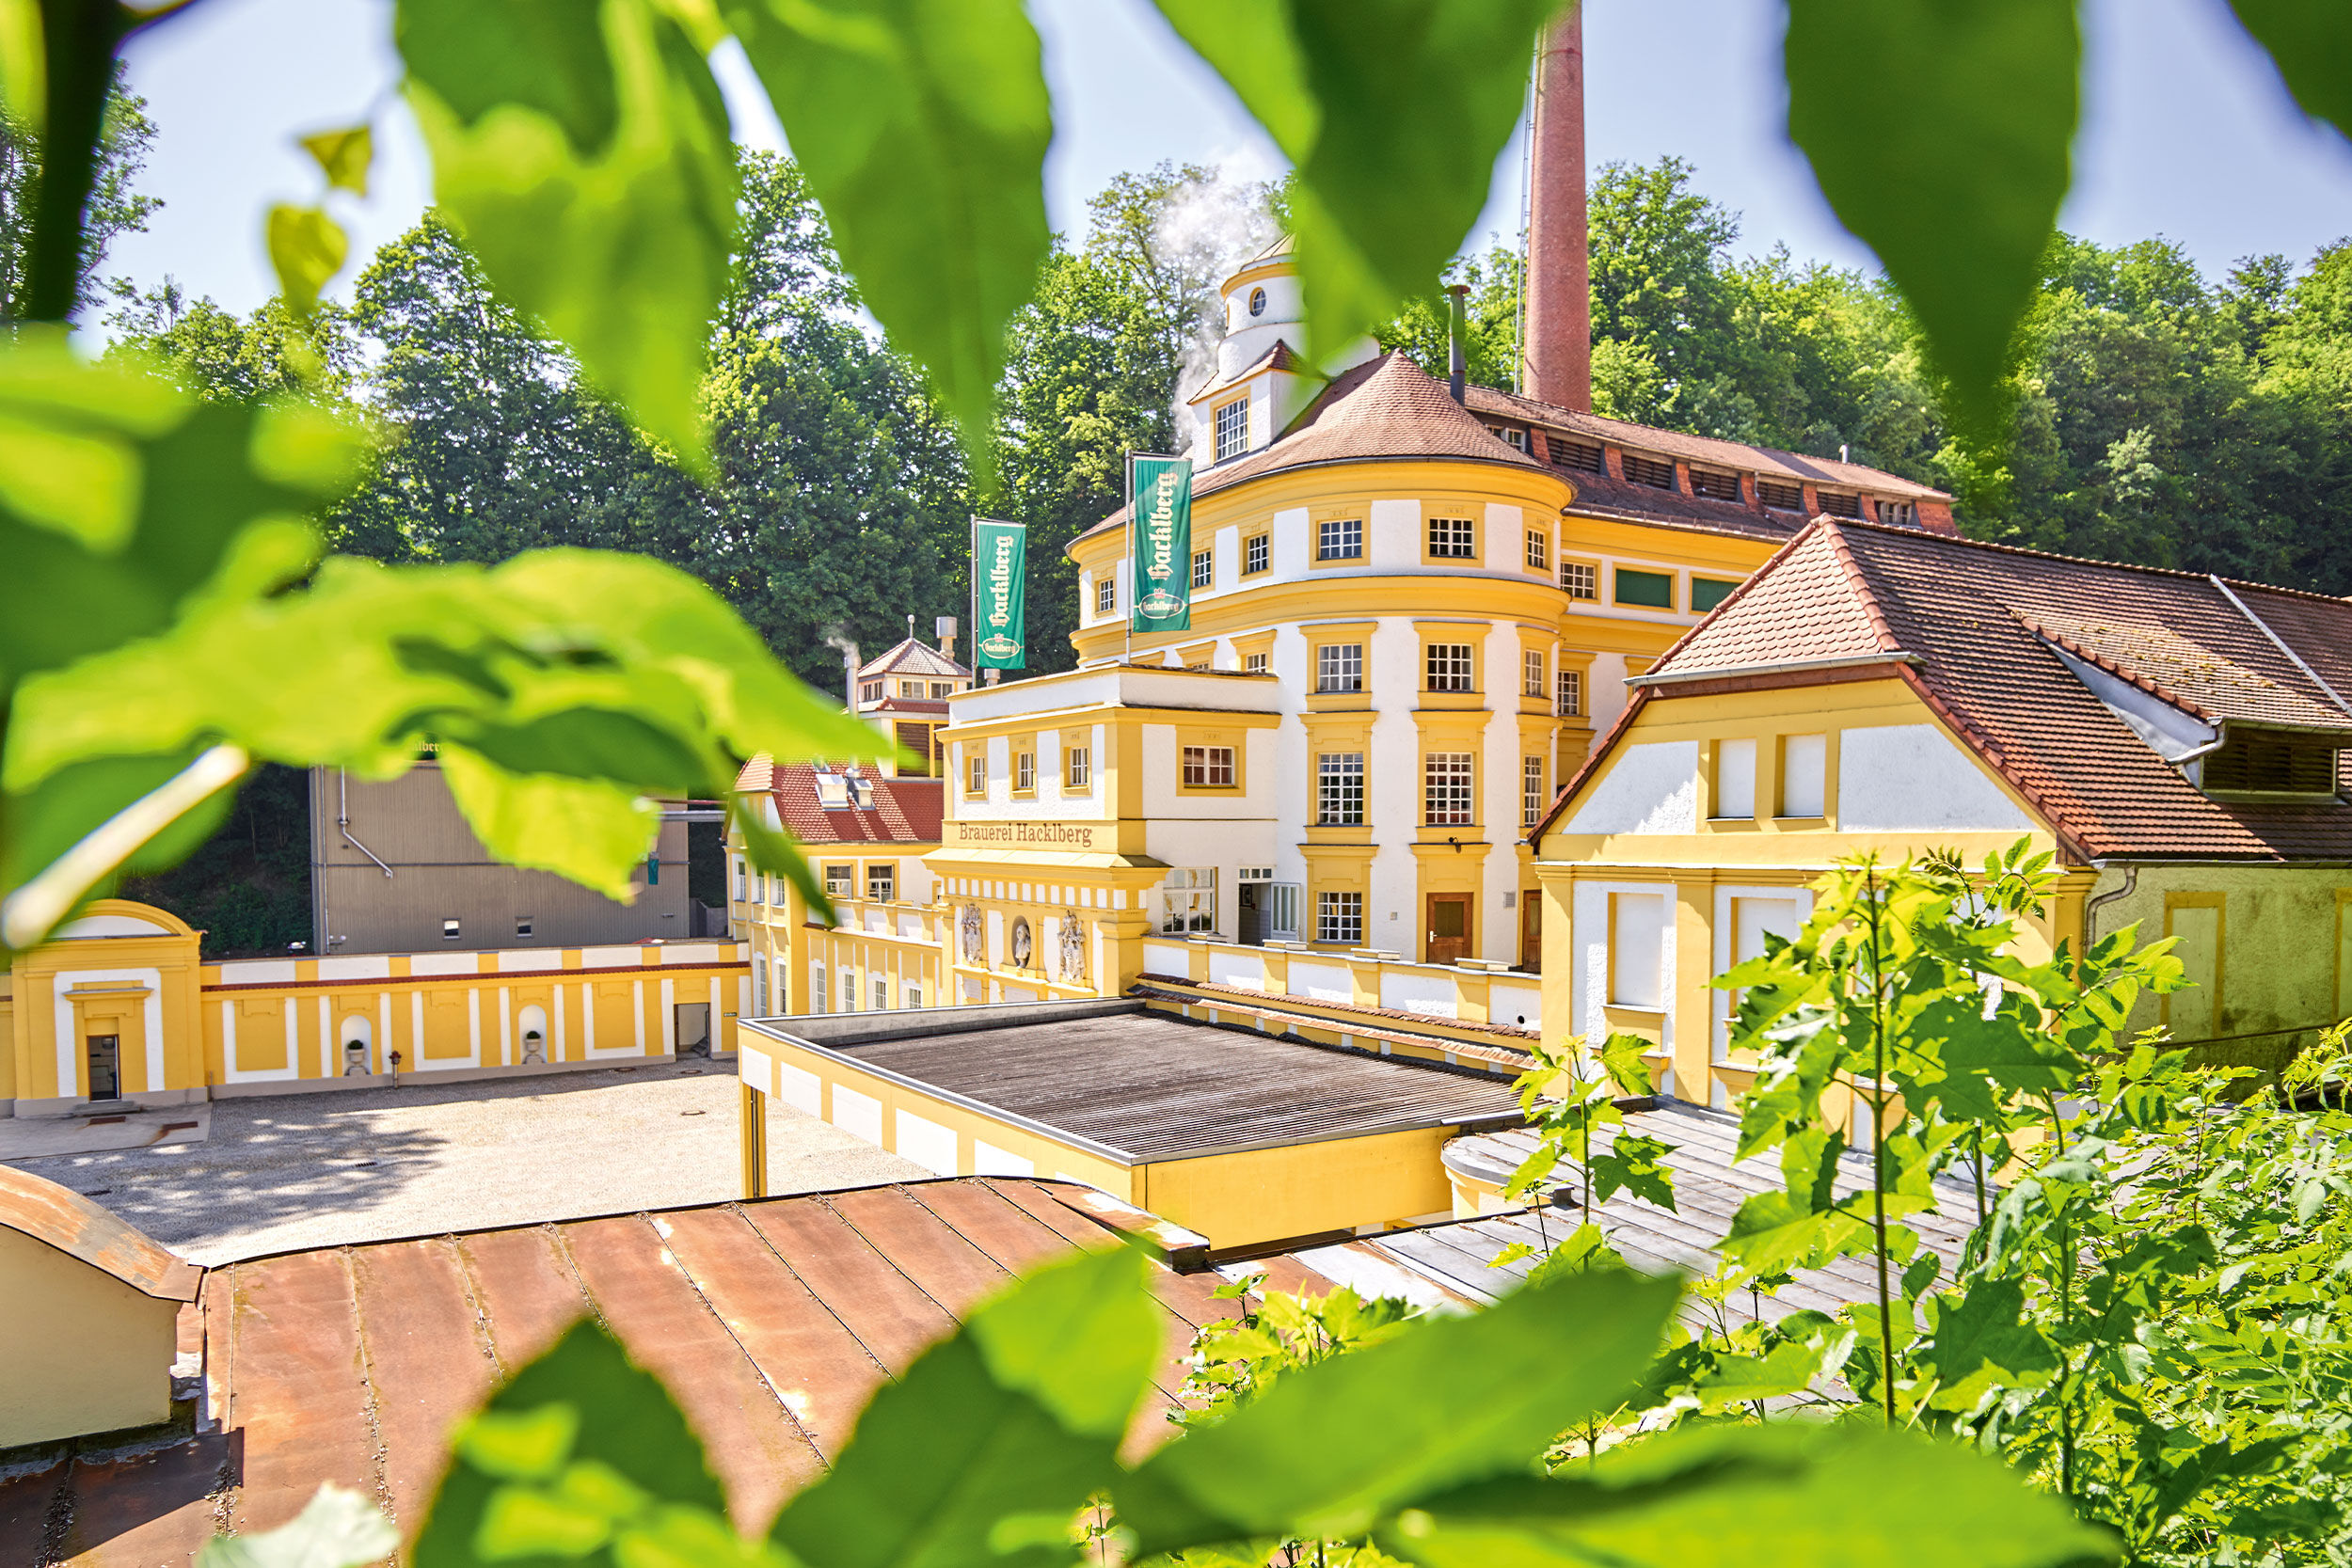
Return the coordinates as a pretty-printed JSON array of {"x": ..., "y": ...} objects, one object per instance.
[{"x": 184, "y": 1030}]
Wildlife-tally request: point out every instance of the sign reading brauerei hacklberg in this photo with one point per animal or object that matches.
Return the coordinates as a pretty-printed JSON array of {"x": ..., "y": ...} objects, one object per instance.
[
  {"x": 1000, "y": 575},
  {"x": 1163, "y": 544},
  {"x": 986, "y": 833}
]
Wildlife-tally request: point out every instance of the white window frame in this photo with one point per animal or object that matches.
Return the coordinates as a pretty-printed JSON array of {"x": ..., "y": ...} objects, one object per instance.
[
  {"x": 1539, "y": 549},
  {"x": 1339, "y": 789},
  {"x": 1339, "y": 667},
  {"x": 1339, "y": 539},
  {"x": 1208, "y": 766},
  {"x": 1188, "y": 901},
  {"x": 1449, "y": 789},
  {"x": 1581, "y": 579},
  {"x": 1105, "y": 596},
  {"x": 1570, "y": 684},
  {"x": 1077, "y": 767},
  {"x": 1449, "y": 667},
  {"x": 1231, "y": 423},
  {"x": 1532, "y": 798},
  {"x": 1340, "y": 919},
  {"x": 1452, "y": 538},
  {"x": 1532, "y": 663},
  {"x": 1257, "y": 554}
]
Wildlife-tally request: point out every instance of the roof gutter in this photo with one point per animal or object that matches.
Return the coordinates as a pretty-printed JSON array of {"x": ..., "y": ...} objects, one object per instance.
[{"x": 1779, "y": 667}]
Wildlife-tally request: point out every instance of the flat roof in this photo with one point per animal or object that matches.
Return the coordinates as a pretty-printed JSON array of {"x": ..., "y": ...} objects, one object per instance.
[{"x": 1140, "y": 1086}]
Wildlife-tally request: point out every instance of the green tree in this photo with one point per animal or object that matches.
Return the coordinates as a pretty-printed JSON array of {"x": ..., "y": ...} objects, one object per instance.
[{"x": 114, "y": 207}]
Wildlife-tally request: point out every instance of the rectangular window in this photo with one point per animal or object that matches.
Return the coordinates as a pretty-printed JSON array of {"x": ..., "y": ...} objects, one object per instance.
[
  {"x": 1637, "y": 950},
  {"x": 882, "y": 882},
  {"x": 1539, "y": 549},
  {"x": 1204, "y": 568},
  {"x": 1714, "y": 487},
  {"x": 941, "y": 691},
  {"x": 1189, "y": 900},
  {"x": 1779, "y": 496},
  {"x": 1024, "y": 770},
  {"x": 975, "y": 773},
  {"x": 1532, "y": 661},
  {"x": 1340, "y": 918},
  {"x": 1446, "y": 801},
  {"x": 816, "y": 988},
  {"x": 1584, "y": 457},
  {"x": 840, "y": 880},
  {"x": 522, "y": 925},
  {"x": 743, "y": 881},
  {"x": 1256, "y": 554},
  {"x": 1840, "y": 506},
  {"x": 915, "y": 740},
  {"x": 910, "y": 689},
  {"x": 849, "y": 992},
  {"x": 1571, "y": 693},
  {"x": 882, "y": 992},
  {"x": 1339, "y": 539},
  {"x": 1340, "y": 789},
  {"x": 1452, "y": 538},
  {"x": 1706, "y": 592},
  {"x": 1897, "y": 513},
  {"x": 1105, "y": 597},
  {"x": 1253, "y": 664},
  {"x": 1654, "y": 590},
  {"x": 1581, "y": 578},
  {"x": 1339, "y": 667},
  {"x": 869, "y": 692},
  {"x": 1657, "y": 475},
  {"x": 1531, "y": 791},
  {"x": 1448, "y": 667},
  {"x": 1208, "y": 768},
  {"x": 1077, "y": 767},
  {"x": 1804, "y": 774},
  {"x": 1277, "y": 907},
  {"x": 1233, "y": 429},
  {"x": 1735, "y": 779},
  {"x": 450, "y": 930}
]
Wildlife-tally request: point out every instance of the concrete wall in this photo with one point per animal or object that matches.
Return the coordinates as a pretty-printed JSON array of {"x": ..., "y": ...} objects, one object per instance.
[{"x": 440, "y": 871}]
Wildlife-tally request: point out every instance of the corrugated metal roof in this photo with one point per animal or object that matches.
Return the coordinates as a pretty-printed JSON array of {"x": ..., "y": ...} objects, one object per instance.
[
  {"x": 59, "y": 1217},
  {"x": 1142, "y": 1087},
  {"x": 771, "y": 1323}
]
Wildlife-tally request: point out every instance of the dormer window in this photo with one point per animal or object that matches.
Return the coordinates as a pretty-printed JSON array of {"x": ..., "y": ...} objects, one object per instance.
[
  {"x": 1584, "y": 457},
  {"x": 1509, "y": 436},
  {"x": 1778, "y": 496},
  {"x": 1897, "y": 513},
  {"x": 1841, "y": 506},
  {"x": 1257, "y": 302},
  {"x": 1648, "y": 470},
  {"x": 869, "y": 692},
  {"x": 1714, "y": 487},
  {"x": 2272, "y": 763},
  {"x": 1233, "y": 429}
]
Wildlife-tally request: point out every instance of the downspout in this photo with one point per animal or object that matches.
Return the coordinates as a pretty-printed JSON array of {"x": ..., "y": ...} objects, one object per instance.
[
  {"x": 343, "y": 819},
  {"x": 2092, "y": 906}
]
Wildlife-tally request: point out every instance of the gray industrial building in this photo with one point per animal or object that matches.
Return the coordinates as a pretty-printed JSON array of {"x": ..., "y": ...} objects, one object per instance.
[{"x": 395, "y": 869}]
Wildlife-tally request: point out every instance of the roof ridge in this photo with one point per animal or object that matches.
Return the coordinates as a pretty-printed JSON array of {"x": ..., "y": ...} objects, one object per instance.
[
  {"x": 1888, "y": 641},
  {"x": 2130, "y": 677},
  {"x": 1899, "y": 532}
]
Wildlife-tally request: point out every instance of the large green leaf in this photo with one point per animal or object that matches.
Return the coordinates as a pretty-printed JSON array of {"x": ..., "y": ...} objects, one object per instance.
[
  {"x": 617, "y": 244},
  {"x": 994, "y": 1439},
  {"x": 590, "y": 1424},
  {"x": 1939, "y": 131},
  {"x": 1823, "y": 1497},
  {"x": 1394, "y": 112},
  {"x": 2310, "y": 41},
  {"x": 922, "y": 126},
  {"x": 337, "y": 1528},
  {"x": 1333, "y": 1448},
  {"x": 567, "y": 681}
]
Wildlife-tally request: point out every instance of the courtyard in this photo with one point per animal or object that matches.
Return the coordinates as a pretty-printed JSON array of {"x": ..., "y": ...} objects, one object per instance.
[{"x": 323, "y": 1169}]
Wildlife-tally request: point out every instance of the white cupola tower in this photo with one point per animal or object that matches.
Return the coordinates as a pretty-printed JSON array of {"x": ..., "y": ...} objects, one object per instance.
[{"x": 1262, "y": 379}]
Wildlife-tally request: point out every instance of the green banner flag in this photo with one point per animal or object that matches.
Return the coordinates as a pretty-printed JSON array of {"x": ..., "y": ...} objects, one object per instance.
[
  {"x": 1000, "y": 576},
  {"x": 1162, "y": 535}
]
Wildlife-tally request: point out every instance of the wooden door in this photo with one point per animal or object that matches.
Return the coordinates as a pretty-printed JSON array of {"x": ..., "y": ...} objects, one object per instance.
[
  {"x": 1449, "y": 929},
  {"x": 1531, "y": 931}
]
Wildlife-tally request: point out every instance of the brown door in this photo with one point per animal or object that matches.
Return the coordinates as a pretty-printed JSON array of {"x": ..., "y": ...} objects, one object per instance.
[
  {"x": 1449, "y": 928},
  {"x": 1531, "y": 931}
]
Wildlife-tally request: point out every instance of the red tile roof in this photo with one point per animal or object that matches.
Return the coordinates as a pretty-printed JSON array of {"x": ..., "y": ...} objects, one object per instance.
[
  {"x": 905, "y": 810},
  {"x": 1279, "y": 358},
  {"x": 1974, "y": 626},
  {"x": 911, "y": 656}
]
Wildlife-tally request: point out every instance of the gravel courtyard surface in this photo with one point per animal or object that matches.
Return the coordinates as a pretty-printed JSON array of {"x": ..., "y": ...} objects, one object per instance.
[{"x": 365, "y": 1165}]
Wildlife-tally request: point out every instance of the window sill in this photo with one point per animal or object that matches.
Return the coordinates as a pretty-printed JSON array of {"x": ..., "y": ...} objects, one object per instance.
[{"x": 1452, "y": 702}]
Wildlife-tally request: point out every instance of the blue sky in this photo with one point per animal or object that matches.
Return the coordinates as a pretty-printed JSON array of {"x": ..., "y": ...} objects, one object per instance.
[{"x": 2186, "y": 132}]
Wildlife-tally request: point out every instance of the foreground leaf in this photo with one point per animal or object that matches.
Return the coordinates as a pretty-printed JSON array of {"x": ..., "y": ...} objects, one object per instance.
[
  {"x": 1827, "y": 1497},
  {"x": 337, "y": 1528},
  {"x": 922, "y": 127},
  {"x": 2310, "y": 43},
  {"x": 1394, "y": 112},
  {"x": 307, "y": 248},
  {"x": 617, "y": 243},
  {"x": 1939, "y": 132},
  {"x": 994, "y": 1440},
  {"x": 1332, "y": 1447},
  {"x": 582, "y": 1407}
]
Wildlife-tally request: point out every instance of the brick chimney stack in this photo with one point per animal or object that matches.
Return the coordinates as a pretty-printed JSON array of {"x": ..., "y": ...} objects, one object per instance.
[{"x": 1559, "y": 352}]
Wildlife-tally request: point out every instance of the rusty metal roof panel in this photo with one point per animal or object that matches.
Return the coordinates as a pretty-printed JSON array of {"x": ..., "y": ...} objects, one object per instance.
[
  {"x": 64, "y": 1219},
  {"x": 772, "y": 1323}
]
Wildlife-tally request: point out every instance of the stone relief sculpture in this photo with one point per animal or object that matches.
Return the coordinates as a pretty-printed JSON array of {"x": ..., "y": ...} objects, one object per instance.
[
  {"x": 1073, "y": 948},
  {"x": 968, "y": 924},
  {"x": 1023, "y": 948}
]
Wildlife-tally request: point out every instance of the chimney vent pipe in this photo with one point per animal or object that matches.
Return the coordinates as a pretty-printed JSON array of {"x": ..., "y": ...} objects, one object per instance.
[{"x": 1456, "y": 356}]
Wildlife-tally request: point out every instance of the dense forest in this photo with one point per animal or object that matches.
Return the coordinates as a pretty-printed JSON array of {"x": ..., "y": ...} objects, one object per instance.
[{"x": 2160, "y": 416}]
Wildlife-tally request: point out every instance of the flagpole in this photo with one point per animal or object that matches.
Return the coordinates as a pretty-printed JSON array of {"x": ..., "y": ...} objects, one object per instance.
[
  {"x": 972, "y": 583},
  {"x": 1129, "y": 657}
]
